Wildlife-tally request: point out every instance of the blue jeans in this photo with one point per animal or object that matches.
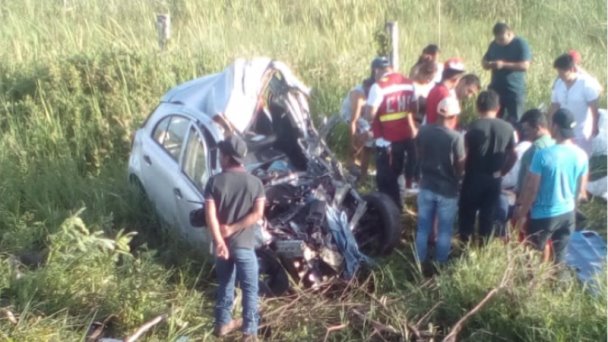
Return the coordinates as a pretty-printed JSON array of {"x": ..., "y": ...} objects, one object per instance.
[
  {"x": 502, "y": 214},
  {"x": 431, "y": 205},
  {"x": 243, "y": 267}
]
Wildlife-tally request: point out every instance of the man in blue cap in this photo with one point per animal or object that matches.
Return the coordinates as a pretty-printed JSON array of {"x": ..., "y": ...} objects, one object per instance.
[{"x": 390, "y": 107}]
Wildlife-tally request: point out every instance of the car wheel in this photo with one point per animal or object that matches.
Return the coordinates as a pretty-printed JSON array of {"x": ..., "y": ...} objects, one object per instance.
[
  {"x": 379, "y": 230},
  {"x": 273, "y": 277}
]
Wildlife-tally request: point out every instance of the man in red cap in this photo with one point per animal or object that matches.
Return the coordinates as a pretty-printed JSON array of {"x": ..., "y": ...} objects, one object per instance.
[
  {"x": 579, "y": 93},
  {"x": 453, "y": 70}
]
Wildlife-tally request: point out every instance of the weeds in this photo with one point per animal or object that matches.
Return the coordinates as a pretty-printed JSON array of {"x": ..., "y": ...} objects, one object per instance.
[{"x": 77, "y": 77}]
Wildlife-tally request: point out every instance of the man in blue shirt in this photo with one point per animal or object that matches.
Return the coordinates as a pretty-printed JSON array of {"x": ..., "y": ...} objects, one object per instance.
[
  {"x": 508, "y": 57},
  {"x": 556, "y": 179}
]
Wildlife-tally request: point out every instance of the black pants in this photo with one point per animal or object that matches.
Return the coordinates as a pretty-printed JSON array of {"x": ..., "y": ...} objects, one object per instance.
[
  {"x": 558, "y": 228},
  {"x": 481, "y": 193},
  {"x": 391, "y": 163},
  {"x": 511, "y": 107}
]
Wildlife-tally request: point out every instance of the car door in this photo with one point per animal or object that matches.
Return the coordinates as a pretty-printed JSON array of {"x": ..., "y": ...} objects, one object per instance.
[
  {"x": 188, "y": 188},
  {"x": 161, "y": 155}
]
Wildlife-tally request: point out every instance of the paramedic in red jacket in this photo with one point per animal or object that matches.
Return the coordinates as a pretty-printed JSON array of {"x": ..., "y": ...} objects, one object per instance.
[{"x": 390, "y": 105}]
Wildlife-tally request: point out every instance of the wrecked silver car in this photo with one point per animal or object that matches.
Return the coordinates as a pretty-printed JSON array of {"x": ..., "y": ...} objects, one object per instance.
[{"x": 316, "y": 226}]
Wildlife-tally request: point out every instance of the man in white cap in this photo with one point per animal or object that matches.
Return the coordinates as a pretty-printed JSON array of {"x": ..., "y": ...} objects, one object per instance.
[{"x": 441, "y": 157}]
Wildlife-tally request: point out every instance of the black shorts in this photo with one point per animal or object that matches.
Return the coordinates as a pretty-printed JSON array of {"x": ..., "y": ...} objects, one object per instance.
[{"x": 557, "y": 228}]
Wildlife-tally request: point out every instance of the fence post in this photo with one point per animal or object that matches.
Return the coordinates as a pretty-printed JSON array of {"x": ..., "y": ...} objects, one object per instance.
[
  {"x": 163, "y": 28},
  {"x": 393, "y": 32}
]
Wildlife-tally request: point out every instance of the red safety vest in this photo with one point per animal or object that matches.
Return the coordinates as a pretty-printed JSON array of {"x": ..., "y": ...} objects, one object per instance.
[{"x": 391, "y": 121}]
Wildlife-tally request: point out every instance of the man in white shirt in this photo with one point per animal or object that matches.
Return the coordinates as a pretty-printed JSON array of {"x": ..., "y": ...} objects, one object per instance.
[{"x": 578, "y": 92}]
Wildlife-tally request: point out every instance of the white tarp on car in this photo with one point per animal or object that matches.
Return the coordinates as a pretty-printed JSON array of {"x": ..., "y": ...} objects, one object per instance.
[{"x": 233, "y": 92}]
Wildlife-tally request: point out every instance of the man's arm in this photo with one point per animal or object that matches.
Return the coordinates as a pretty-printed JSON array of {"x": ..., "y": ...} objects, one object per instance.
[
  {"x": 374, "y": 99},
  {"x": 460, "y": 157},
  {"x": 596, "y": 117},
  {"x": 552, "y": 109},
  {"x": 357, "y": 101},
  {"x": 509, "y": 162},
  {"x": 459, "y": 166},
  {"x": 527, "y": 196},
  {"x": 487, "y": 60},
  {"x": 214, "y": 226},
  {"x": 516, "y": 66},
  {"x": 368, "y": 112},
  {"x": 487, "y": 65},
  {"x": 511, "y": 157},
  {"x": 582, "y": 188},
  {"x": 412, "y": 124},
  {"x": 256, "y": 214}
]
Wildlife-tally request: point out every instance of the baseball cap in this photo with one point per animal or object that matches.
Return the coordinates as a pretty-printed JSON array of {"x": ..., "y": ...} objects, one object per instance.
[
  {"x": 380, "y": 62},
  {"x": 234, "y": 147},
  {"x": 576, "y": 56},
  {"x": 449, "y": 106},
  {"x": 454, "y": 64},
  {"x": 565, "y": 121}
]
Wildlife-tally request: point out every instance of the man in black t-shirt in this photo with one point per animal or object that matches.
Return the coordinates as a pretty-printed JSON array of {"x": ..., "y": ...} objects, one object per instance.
[
  {"x": 234, "y": 203},
  {"x": 490, "y": 145}
]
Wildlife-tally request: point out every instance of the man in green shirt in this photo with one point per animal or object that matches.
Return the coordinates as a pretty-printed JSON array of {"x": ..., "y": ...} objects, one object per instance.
[
  {"x": 535, "y": 128},
  {"x": 508, "y": 57}
]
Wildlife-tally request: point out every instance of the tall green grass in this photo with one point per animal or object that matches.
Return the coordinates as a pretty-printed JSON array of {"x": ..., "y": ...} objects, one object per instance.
[{"x": 78, "y": 76}]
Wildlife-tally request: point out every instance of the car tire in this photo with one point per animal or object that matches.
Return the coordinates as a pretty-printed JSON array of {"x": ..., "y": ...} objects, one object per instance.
[
  {"x": 379, "y": 230},
  {"x": 274, "y": 280}
]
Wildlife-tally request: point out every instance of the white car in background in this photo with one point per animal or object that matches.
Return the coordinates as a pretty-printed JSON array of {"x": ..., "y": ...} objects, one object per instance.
[{"x": 315, "y": 221}]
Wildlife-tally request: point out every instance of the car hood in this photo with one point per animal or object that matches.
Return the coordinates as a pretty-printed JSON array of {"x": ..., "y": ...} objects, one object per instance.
[{"x": 233, "y": 92}]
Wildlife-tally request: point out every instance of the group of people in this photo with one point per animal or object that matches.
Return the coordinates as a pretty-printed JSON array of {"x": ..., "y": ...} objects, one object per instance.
[
  {"x": 528, "y": 167},
  {"x": 411, "y": 124}
]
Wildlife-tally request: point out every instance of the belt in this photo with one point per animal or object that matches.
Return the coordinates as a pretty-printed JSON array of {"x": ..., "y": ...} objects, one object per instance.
[{"x": 392, "y": 117}]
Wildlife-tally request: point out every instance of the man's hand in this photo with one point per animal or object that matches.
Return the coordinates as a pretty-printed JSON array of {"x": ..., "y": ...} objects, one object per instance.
[
  {"x": 583, "y": 197},
  {"x": 361, "y": 139},
  {"x": 221, "y": 250},
  {"x": 414, "y": 132},
  {"x": 499, "y": 64},
  {"x": 595, "y": 131},
  {"x": 226, "y": 230},
  {"x": 518, "y": 215}
]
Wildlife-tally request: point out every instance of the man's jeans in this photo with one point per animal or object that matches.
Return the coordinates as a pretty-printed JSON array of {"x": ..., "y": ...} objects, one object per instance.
[
  {"x": 431, "y": 205},
  {"x": 243, "y": 267}
]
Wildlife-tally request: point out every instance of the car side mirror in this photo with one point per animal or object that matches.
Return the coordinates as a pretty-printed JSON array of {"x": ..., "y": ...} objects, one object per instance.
[{"x": 197, "y": 218}]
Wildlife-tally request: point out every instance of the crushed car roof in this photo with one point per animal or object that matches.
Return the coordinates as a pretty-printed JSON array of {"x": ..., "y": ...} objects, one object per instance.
[{"x": 233, "y": 92}]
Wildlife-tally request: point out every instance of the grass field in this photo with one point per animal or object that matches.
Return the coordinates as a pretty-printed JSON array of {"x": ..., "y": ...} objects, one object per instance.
[{"x": 78, "y": 76}]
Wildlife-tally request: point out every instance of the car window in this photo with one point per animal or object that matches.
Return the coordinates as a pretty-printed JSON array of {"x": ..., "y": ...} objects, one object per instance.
[
  {"x": 170, "y": 133},
  {"x": 195, "y": 158}
]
